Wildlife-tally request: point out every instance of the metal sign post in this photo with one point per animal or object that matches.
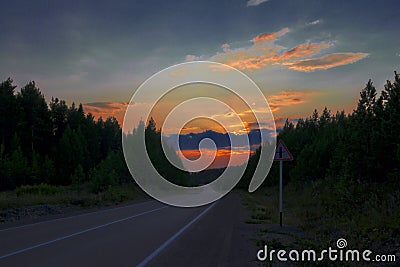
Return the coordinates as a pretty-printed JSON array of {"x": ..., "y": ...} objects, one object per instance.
[
  {"x": 280, "y": 192},
  {"x": 281, "y": 154}
]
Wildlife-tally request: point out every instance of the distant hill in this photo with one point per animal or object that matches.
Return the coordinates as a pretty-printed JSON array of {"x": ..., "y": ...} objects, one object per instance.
[{"x": 222, "y": 140}]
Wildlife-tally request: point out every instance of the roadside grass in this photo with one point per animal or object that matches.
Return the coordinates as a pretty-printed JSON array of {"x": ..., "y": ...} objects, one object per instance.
[
  {"x": 82, "y": 196},
  {"x": 366, "y": 215}
]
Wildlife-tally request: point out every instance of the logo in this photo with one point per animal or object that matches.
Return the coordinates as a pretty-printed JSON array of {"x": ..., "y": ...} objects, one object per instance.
[
  {"x": 204, "y": 91},
  {"x": 331, "y": 254}
]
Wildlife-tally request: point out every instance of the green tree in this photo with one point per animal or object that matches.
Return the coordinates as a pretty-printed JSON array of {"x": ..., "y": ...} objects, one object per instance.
[
  {"x": 110, "y": 135},
  {"x": 71, "y": 152},
  {"x": 48, "y": 171},
  {"x": 36, "y": 173},
  {"x": 103, "y": 176},
  {"x": 388, "y": 139},
  {"x": 157, "y": 154},
  {"x": 92, "y": 136},
  {"x": 16, "y": 170},
  {"x": 78, "y": 177},
  {"x": 75, "y": 116},
  {"x": 34, "y": 126},
  {"x": 7, "y": 113},
  {"x": 58, "y": 116}
]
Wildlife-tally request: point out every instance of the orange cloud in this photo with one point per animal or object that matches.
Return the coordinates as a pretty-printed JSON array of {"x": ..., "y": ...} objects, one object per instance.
[
  {"x": 269, "y": 37},
  {"x": 107, "y": 109},
  {"x": 255, "y": 57},
  {"x": 269, "y": 56},
  {"x": 276, "y": 102},
  {"x": 222, "y": 157},
  {"x": 302, "y": 50},
  {"x": 325, "y": 62},
  {"x": 265, "y": 52},
  {"x": 287, "y": 98}
]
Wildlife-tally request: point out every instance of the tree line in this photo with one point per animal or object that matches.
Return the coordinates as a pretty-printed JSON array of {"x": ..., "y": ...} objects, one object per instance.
[
  {"x": 55, "y": 143},
  {"x": 363, "y": 146},
  {"x": 59, "y": 144}
]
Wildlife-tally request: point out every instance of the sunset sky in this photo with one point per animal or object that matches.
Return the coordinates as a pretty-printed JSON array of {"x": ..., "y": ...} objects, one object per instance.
[
  {"x": 302, "y": 54},
  {"x": 313, "y": 53}
]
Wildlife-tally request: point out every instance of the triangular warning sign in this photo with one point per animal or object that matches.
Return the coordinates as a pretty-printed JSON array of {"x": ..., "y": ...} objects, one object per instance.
[{"x": 281, "y": 152}]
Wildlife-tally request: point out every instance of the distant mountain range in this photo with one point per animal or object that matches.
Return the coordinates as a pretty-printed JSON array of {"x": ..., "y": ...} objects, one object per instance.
[{"x": 191, "y": 141}]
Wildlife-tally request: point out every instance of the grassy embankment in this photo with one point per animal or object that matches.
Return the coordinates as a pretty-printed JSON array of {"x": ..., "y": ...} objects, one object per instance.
[
  {"x": 73, "y": 197},
  {"x": 366, "y": 215}
]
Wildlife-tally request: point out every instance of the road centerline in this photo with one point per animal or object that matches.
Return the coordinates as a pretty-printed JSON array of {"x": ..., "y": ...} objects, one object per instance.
[
  {"x": 79, "y": 233},
  {"x": 172, "y": 238}
]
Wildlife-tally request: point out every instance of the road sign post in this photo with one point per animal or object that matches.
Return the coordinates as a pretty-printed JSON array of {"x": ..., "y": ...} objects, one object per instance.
[
  {"x": 281, "y": 154},
  {"x": 280, "y": 192}
]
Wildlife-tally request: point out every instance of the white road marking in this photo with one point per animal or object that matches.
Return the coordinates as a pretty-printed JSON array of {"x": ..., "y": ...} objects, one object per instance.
[
  {"x": 78, "y": 233},
  {"x": 74, "y": 216},
  {"x": 172, "y": 238}
]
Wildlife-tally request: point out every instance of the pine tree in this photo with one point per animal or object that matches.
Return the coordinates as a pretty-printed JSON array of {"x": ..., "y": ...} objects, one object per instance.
[
  {"x": 48, "y": 171},
  {"x": 16, "y": 170},
  {"x": 34, "y": 125},
  {"x": 58, "y": 116},
  {"x": 367, "y": 100},
  {"x": 71, "y": 152},
  {"x": 7, "y": 113}
]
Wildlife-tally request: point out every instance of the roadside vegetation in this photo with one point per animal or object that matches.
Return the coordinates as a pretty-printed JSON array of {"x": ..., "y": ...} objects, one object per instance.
[
  {"x": 85, "y": 198},
  {"x": 55, "y": 154},
  {"x": 344, "y": 181},
  {"x": 317, "y": 214},
  {"x": 54, "y": 143}
]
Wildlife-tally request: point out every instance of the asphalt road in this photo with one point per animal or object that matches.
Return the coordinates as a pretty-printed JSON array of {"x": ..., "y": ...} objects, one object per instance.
[{"x": 142, "y": 234}]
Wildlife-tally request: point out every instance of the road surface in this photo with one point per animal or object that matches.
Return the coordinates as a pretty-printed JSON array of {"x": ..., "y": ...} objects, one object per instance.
[{"x": 142, "y": 234}]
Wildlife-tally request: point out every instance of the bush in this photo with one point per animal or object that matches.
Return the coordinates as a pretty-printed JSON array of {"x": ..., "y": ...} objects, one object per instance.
[
  {"x": 118, "y": 194},
  {"x": 78, "y": 177},
  {"x": 40, "y": 189},
  {"x": 103, "y": 176}
]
